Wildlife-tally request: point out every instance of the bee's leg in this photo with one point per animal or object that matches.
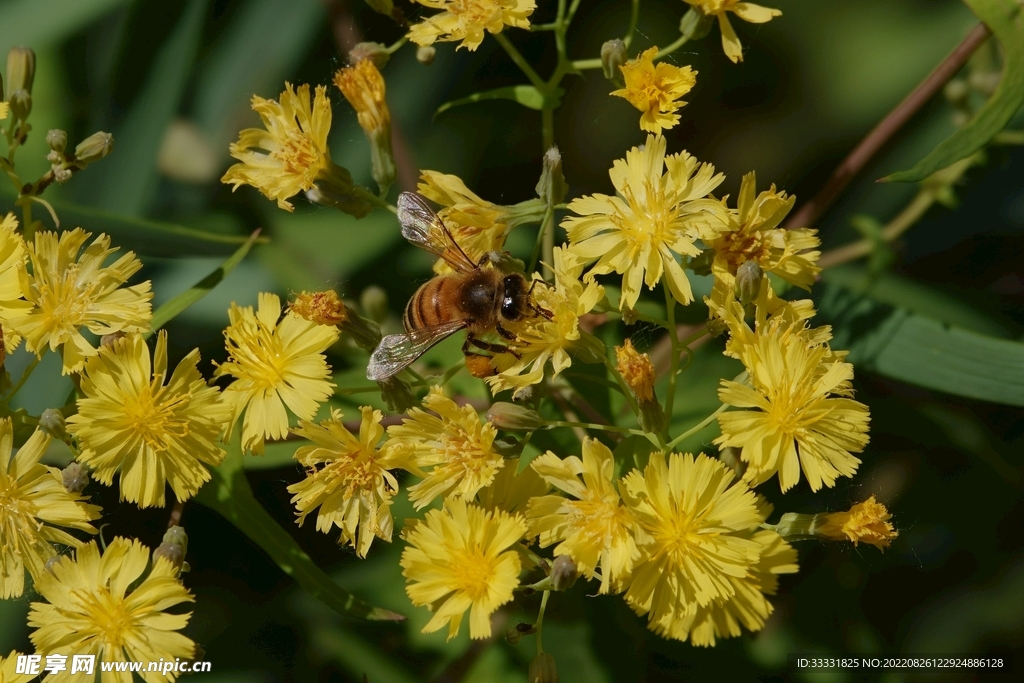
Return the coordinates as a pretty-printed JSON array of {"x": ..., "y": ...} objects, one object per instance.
[
  {"x": 486, "y": 346},
  {"x": 539, "y": 310},
  {"x": 505, "y": 333}
]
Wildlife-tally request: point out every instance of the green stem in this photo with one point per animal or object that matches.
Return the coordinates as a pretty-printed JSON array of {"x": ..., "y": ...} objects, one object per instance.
[
  {"x": 539, "y": 243},
  {"x": 372, "y": 198},
  {"x": 698, "y": 427},
  {"x": 672, "y": 47},
  {"x": 627, "y": 392},
  {"x": 592, "y": 425},
  {"x": 393, "y": 48},
  {"x": 540, "y": 621},
  {"x": 521, "y": 62},
  {"x": 673, "y": 331},
  {"x": 634, "y": 17},
  {"x": 26, "y": 217},
  {"x": 24, "y": 376},
  {"x": 349, "y": 391}
]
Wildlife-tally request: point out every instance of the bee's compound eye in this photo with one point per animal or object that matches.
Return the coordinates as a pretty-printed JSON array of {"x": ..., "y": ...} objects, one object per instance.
[{"x": 511, "y": 301}]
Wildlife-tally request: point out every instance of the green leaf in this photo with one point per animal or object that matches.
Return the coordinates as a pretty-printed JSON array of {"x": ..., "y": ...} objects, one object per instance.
[
  {"x": 229, "y": 494},
  {"x": 40, "y": 23},
  {"x": 526, "y": 95},
  {"x": 920, "y": 350},
  {"x": 360, "y": 657},
  {"x": 264, "y": 43},
  {"x": 144, "y": 236},
  {"x": 169, "y": 310},
  {"x": 1005, "y": 18},
  {"x": 126, "y": 180}
]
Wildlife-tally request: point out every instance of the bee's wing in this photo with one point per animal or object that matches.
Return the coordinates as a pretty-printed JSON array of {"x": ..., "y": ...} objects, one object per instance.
[
  {"x": 424, "y": 228},
  {"x": 397, "y": 351}
]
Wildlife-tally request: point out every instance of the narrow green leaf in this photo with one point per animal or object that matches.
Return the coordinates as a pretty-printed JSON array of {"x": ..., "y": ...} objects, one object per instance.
[
  {"x": 165, "y": 313},
  {"x": 1005, "y": 18},
  {"x": 144, "y": 236},
  {"x": 125, "y": 180},
  {"x": 923, "y": 351},
  {"x": 40, "y": 23},
  {"x": 264, "y": 43},
  {"x": 360, "y": 657},
  {"x": 229, "y": 494},
  {"x": 526, "y": 95}
]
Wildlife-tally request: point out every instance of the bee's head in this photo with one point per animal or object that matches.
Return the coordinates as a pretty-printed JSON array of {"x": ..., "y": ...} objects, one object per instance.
[{"x": 515, "y": 300}]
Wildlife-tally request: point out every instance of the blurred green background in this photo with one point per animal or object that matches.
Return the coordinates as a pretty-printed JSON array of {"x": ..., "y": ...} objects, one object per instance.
[{"x": 172, "y": 81}]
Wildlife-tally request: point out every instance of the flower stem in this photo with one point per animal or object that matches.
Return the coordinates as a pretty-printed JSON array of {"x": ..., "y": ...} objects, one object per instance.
[
  {"x": 372, "y": 198},
  {"x": 521, "y": 62},
  {"x": 698, "y": 427},
  {"x": 672, "y": 47},
  {"x": 593, "y": 425},
  {"x": 673, "y": 331},
  {"x": 540, "y": 621},
  {"x": 393, "y": 48},
  {"x": 634, "y": 17},
  {"x": 24, "y": 376}
]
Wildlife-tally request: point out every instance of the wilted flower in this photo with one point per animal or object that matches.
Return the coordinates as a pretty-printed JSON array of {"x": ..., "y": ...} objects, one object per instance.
[{"x": 655, "y": 90}]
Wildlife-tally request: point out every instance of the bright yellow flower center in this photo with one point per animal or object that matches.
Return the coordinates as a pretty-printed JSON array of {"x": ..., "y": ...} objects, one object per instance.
[
  {"x": 741, "y": 246},
  {"x": 109, "y": 616},
  {"x": 653, "y": 221},
  {"x": 598, "y": 516},
  {"x": 155, "y": 420},
  {"x": 298, "y": 154},
  {"x": 66, "y": 302},
  {"x": 473, "y": 572}
]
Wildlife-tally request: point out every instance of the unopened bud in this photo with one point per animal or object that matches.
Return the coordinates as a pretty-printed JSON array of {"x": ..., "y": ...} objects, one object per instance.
[
  {"x": 61, "y": 174},
  {"x": 425, "y": 55},
  {"x": 21, "y": 104},
  {"x": 93, "y": 148},
  {"x": 613, "y": 55},
  {"x": 365, "y": 333},
  {"x": 375, "y": 52},
  {"x": 174, "y": 547},
  {"x": 564, "y": 573},
  {"x": 21, "y": 69},
  {"x": 695, "y": 24},
  {"x": 542, "y": 669},
  {"x": 748, "y": 281},
  {"x": 551, "y": 188},
  {"x": 514, "y": 417},
  {"x": 57, "y": 140},
  {"x": 176, "y": 536},
  {"x": 374, "y": 302},
  {"x": 52, "y": 422},
  {"x": 396, "y": 394},
  {"x": 109, "y": 339},
  {"x": 74, "y": 477},
  {"x": 385, "y": 7},
  {"x": 334, "y": 187}
]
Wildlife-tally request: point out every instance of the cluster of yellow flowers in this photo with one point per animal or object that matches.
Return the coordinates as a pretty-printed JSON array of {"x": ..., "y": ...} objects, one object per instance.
[{"x": 683, "y": 538}]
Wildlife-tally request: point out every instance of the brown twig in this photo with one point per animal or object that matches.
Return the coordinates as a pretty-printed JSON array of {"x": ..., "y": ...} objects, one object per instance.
[
  {"x": 176, "y": 511},
  {"x": 854, "y": 163}
]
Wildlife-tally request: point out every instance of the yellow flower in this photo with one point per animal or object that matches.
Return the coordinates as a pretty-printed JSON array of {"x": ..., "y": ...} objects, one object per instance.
[
  {"x": 661, "y": 211},
  {"x": 756, "y": 236},
  {"x": 748, "y": 608},
  {"x": 655, "y": 90},
  {"x": 466, "y": 20},
  {"x": 540, "y": 340},
  {"x": 592, "y": 527},
  {"x": 9, "y": 664},
  {"x": 363, "y": 87},
  {"x": 747, "y": 11},
  {"x": 353, "y": 487},
  {"x": 12, "y": 260},
  {"x": 799, "y": 414},
  {"x": 458, "y": 559},
  {"x": 4, "y": 108},
  {"x": 511, "y": 489},
  {"x": 98, "y": 606},
  {"x": 277, "y": 362},
  {"x": 694, "y": 524},
  {"x": 454, "y": 443},
  {"x": 867, "y": 521},
  {"x": 33, "y": 503},
  {"x": 636, "y": 370},
  {"x": 156, "y": 427},
  {"x": 68, "y": 292},
  {"x": 322, "y": 308},
  {"x": 290, "y": 155}
]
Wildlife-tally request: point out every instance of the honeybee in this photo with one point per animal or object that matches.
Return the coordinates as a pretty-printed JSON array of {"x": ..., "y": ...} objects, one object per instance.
[{"x": 476, "y": 299}]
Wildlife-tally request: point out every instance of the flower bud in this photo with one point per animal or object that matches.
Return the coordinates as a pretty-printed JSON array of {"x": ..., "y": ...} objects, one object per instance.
[
  {"x": 514, "y": 417},
  {"x": 21, "y": 104},
  {"x": 174, "y": 547},
  {"x": 613, "y": 56},
  {"x": 396, "y": 394},
  {"x": 375, "y": 52},
  {"x": 52, "y": 422},
  {"x": 365, "y": 333},
  {"x": 363, "y": 87},
  {"x": 385, "y": 7},
  {"x": 542, "y": 669},
  {"x": 74, "y": 477},
  {"x": 57, "y": 140},
  {"x": 956, "y": 92},
  {"x": 695, "y": 24},
  {"x": 322, "y": 308},
  {"x": 425, "y": 55},
  {"x": 748, "y": 281},
  {"x": 374, "y": 302},
  {"x": 93, "y": 148},
  {"x": 551, "y": 188},
  {"x": 334, "y": 187},
  {"x": 867, "y": 521},
  {"x": 564, "y": 573},
  {"x": 21, "y": 69}
]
